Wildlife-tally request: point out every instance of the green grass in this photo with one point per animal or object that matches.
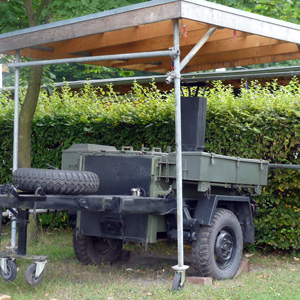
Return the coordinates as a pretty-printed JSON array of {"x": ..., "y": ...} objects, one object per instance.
[{"x": 146, "y": 276}]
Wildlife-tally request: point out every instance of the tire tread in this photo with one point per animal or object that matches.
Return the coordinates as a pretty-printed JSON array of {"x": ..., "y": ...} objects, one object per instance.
[
  {"x": 80, "y": 248},
  {"x": 56, "y": 181},
  {"x": 201, "y": 254}
]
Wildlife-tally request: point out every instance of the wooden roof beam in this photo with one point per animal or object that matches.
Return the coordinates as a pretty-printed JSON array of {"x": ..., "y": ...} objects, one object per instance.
[
  {"x": 90, "y": 25},
  {"x": 114, "y": 38},
  {"x": 243, "y": 62},
  {"x": 124, "y": 36},
  {"x": 211, "y": 59},
  {"x": 156, "y": 68},
  {"x": 242, "y": 47},
  {"x": 233, "y": 58},
  {"x": 246, "y": 53},
  {"x": 107, "y": 40},
  {"x": 138, "y": 34},
  {"x": 241, "y": 42}
]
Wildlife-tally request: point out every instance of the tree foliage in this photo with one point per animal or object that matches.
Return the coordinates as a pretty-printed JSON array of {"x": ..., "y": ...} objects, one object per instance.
[
  {"x": 13, "y": 16},
  {"x": 13, "y": 12},
  {"x": 284, "y": 10}
]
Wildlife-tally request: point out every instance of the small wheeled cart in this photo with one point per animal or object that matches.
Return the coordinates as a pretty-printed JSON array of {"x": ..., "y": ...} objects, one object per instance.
[
  {"x": 34, "y": 273},
  {"x": 8, "y": 260}
]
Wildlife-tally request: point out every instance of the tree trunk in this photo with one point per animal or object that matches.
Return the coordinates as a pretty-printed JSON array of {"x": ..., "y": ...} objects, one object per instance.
[
  {"x": 26, "y": 117},
  {"x": 25, "y": 123},
  {"x": 28, "y": 109}
]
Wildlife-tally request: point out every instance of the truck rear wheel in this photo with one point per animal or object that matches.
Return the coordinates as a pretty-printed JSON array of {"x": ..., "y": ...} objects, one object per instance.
[
  {"x": 80, "y": 248},
  {"x": 56, "y": 181},
  {"x": 218, "y": 249},
  {"x": 101, "y": 250},
  {"x": 97, "y": 250}
]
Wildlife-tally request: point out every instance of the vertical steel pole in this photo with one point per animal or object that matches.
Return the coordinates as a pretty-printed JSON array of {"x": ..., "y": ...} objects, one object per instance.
[
  {"x": 180, "y": 268},
  {"x": 178, "y": 145},
  {"x": 16, "y": 144},
  {"x": 1, "y": 220},
  {"x": 16, "y": 113}
]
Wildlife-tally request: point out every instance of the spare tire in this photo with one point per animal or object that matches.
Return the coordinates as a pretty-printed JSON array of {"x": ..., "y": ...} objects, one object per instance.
[{"x": 61, "y": 182}]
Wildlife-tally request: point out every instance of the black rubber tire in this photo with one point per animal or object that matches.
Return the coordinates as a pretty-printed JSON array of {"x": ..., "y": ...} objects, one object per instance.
[
  {"x": 176, "y": 284},
  {"x": 96, "y": 250},
  {"x": 59, "y": 182},
  {"x": 218, "y": 249},
  {"x": 80, "y": 248},
  {"x": 11, "y": 271},
  {"x": 102, "y": 250},
  {"x": 30, "y": 275}
]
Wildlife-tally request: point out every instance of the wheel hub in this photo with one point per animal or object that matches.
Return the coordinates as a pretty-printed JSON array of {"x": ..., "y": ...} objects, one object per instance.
[
  {"x": 101, "y": 245},
  {"x": 224, "y": 248}
]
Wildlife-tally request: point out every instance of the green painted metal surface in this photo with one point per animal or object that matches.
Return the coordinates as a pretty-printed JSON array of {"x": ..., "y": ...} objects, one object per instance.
[
  {"x": 213, "y": 169},
  {"x": 202, "y": 174}
]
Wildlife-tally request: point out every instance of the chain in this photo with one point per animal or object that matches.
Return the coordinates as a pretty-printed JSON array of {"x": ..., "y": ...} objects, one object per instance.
[{"x": 167, "y": 170}]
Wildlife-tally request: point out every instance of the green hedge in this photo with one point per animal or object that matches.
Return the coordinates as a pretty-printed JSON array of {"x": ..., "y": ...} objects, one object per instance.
[{"x": 262, "y": 122}]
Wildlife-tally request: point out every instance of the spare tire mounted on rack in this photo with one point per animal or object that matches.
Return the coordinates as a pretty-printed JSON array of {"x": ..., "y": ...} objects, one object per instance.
[{"x": 60, "y": 182}]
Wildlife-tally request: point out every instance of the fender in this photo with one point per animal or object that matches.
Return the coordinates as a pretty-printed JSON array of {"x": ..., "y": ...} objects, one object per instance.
[{"x": 239, "y": 205}]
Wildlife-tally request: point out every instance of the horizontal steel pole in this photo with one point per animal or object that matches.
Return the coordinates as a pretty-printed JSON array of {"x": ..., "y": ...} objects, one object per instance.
[
  {"x": 86, "y": 59},
  {"x": 31, "y": 211},
  {"x": 282, "y": 166}
]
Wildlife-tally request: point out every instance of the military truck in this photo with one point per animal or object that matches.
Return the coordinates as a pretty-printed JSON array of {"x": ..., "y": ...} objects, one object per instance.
[
  {"x": 116, "y": 196},
  {"x": 218, "y": 209}
]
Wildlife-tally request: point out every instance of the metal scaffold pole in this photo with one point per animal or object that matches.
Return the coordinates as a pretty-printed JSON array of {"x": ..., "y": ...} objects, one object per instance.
[
  {"x": 16, "y": 143},
  {"x": 179, "y": 277}
]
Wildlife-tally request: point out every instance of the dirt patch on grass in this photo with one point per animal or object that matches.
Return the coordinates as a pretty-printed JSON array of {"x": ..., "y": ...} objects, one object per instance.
[{"x": 133, "y": 259}]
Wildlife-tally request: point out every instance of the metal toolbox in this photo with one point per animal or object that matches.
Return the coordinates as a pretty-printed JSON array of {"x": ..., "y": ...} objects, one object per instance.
[{"x": 214, "y": 168}]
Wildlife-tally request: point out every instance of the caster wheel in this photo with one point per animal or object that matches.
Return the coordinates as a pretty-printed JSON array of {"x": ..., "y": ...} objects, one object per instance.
[
  {"x": 30, "y": 276},
  {"x": 176, "y": 286},
  {"x": 11, "y": 273}
]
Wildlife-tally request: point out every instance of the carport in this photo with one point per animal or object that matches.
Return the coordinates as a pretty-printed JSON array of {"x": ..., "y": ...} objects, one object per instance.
[{"x": 164, "y": 36}]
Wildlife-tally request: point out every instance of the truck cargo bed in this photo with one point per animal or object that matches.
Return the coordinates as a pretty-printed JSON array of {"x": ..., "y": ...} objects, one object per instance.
[{"x": 214, "y": 168}]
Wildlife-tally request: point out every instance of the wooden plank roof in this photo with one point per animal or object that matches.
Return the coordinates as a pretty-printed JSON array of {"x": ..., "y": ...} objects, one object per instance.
[{"x": 242, "y": 38}]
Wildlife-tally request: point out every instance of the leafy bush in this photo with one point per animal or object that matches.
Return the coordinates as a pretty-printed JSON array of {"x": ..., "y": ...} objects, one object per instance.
[
  {"x": 261, "y": 122},
  {"x": 53, "y": 220}
]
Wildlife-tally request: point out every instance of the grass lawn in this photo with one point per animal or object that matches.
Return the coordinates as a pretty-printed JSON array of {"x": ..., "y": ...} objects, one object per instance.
[{"x": 146, "y": 275}]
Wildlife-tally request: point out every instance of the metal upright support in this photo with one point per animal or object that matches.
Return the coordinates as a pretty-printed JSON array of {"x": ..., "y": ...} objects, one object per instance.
[
  {"x": 15, "y": 144},
  {"x": 180, "y": 268},
  {"x": 16, "y": 113},
  {"x": 1, "y": 219},
  {"x": 23, "y": 221},
  {"x": 192, "y": 53}
]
